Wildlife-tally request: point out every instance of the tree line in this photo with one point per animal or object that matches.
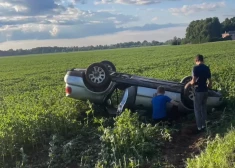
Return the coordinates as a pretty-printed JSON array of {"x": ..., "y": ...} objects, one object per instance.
[
  {"x": 198, "y": 31},
  {"x": 55, "y": 49},
  {"x": 205, "y": 30},
  {"x": 209, "y": 30}
]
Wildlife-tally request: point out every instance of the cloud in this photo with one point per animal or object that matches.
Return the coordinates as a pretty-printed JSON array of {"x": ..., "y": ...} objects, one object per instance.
[
  {"x": 229, "y": 16},
  {"x": 29, "y": 7},
  {"x": 106, "y": 10},
  {"x": 149, "y": 9},
  {"x": 132, "y": 2},
  {"x": 124, "y": 36},
  {"x": 94, "y": 28},
  {"x": 154, "y": 19},
  {"x": 190, "y": 9},
  {"x": 150, "y": 27},
  {"x": 58, "y": 19},
  {"x": 53, "y": 19},
  {"x": 54, "y": 31},
  {"x": 78, "y": 1},
  {"x": 62, "y": 19}
]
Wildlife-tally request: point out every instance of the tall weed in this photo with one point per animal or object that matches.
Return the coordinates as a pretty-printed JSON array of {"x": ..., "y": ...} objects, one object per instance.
[{"x": 130, "y": 143}]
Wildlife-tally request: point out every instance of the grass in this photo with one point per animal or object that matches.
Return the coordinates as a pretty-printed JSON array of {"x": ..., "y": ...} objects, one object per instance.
[
  {"x": 219, "y": 153},
  {"x": 33, "y": 106}
]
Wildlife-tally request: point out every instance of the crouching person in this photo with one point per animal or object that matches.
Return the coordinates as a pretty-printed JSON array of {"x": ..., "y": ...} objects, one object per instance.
[{"x": 159, "y": 104}]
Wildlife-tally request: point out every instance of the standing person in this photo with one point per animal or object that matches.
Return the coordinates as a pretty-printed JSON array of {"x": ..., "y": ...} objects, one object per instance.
[
  {"x": 159, "y": 103},
  {"x": 200, "y": 74}
]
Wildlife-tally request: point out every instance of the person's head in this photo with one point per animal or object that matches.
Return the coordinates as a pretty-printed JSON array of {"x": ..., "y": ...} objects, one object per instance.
[
  {"x": 199, "y": 59},
  {"x": 160, "y": 90}
]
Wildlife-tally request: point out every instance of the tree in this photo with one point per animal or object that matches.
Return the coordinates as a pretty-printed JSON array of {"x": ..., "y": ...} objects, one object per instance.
[
  {"x": 228, "y": 25},
  {"x": 201, "y": 31}
]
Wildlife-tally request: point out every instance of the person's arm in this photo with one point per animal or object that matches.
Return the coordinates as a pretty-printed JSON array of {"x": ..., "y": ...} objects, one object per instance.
[
  {"x": 155, "y": 94},
  {"x": 192, "y": 82},
  {"x": 174, "y": 103},
  {"x": 210, "y": 83},
  {"x": 169, "y": 100},
  {"x": 187, "y": 85},
  {"x": 194, "y": 78},
  {"x": 209, "y": 79}
]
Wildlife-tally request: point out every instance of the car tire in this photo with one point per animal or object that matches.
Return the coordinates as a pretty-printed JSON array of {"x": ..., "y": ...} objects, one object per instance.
[
  {"x": 110, "y": 66},
  {"x": 97, "y": 75},
  {"x": 186, "y": 79},
  {"x": 189, "y": 97},
  {"x": 188, "y": 94}
]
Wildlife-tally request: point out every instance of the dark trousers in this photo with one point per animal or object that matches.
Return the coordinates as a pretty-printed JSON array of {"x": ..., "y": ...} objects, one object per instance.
[
  {"x": 171, "y": 116},
  {"x": 200, "y": 108}
]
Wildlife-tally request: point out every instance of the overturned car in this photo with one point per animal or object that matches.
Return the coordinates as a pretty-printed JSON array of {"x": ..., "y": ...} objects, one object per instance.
[{"x": 99, "y": 81}]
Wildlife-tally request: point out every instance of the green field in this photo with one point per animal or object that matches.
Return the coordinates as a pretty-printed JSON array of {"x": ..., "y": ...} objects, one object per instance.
[{"x": 33, "y": 106}]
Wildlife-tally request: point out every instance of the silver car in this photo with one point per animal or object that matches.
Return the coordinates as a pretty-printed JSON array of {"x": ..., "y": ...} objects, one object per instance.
[{"x": 99, "y": 81}]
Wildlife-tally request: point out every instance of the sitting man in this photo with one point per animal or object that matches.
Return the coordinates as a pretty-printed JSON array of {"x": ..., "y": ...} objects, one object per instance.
[{"x": 159, "y": 103}]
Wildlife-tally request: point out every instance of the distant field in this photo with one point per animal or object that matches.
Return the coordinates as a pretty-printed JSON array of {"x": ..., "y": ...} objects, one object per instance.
[{"x": 32, "y": 98}]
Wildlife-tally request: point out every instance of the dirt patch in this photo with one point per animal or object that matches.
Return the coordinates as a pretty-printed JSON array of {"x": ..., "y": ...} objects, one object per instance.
[{"x": 185, "y": 144}]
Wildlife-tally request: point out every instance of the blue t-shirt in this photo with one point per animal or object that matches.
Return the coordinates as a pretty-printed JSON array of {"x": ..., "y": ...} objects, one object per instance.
[
  {"x": 202, "y": 72},
  {"x": 159, "y": 106}
]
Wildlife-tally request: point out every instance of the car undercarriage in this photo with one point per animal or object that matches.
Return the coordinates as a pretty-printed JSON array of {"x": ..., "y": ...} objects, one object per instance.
[{"x": 100, "y": 81}]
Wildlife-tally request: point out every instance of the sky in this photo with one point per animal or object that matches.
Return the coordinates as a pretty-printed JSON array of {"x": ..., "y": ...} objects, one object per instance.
[{"x": 36, "y": 23}]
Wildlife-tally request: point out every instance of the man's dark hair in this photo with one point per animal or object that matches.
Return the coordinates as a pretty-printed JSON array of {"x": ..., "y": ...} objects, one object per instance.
[{"x": 199, "y": 57}]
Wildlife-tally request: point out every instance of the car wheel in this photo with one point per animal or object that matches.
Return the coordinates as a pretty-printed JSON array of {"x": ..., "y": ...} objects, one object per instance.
[
  {"x": 111, "y": 67},
  {"x": 188, "y": 93},
  {"x": 186, "y": 79},
  {"x": 97, "y": 75},
  {"x": 189, "y": 96}
]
